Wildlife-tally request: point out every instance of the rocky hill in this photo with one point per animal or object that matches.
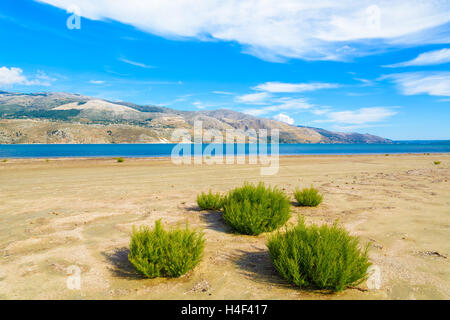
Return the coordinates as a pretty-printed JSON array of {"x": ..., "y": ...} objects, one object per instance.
[{"x": 73, "y": 118}]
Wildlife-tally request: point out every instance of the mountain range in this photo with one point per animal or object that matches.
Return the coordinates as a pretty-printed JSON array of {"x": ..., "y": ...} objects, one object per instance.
[{"x": 73, "y": 118}]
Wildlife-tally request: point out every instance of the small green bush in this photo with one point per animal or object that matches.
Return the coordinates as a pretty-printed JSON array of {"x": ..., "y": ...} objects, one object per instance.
[
  {"x": 308, "y": 197},
  {"x": 5, "y": 160},
  {"x": 254, "y": 209},
  {"x": 437, "y": 162},
  {"x": 161, "y": 253},
  {"x": 120, "y": 160},
  {"x": 325, "y": 257},
  {"x": 210, "y": 201}
]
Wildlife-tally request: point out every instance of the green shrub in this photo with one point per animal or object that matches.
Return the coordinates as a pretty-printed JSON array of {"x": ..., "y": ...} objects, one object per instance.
[
  {"x": 5, "y": 160},
  {"x": 120, "y": 160},
  {"x": 437, "y": 162},
  {"x": 161, "y": 253},
  {"x": 210, "y": 201},
  {"x": 308, "y": 197},
  {"x": 254, "y": 209},
  {"x": 325, "y": 257}
]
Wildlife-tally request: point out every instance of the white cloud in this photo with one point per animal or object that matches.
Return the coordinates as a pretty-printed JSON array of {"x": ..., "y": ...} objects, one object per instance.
[
  {"x": 353, "y": 127},
  {"x": 292, "y": 104},
  {"x": 11, "y": 76},
  {"x": 293, "y": 87},
  {"x": 279, "y": 29},
  {"x": 321, "y": 111},
  {"x": 425, "y": 59},
  {"x": 223, "y": 92},
  {"x": 365, "y": 82},
  {"x": 136, "y": 64},
  {"x": 97, "y": 81},
  {"x": 254, "y": 98},
  {"x": 14, "y": 76},
  {"x": 199, "y": 104},
  {"x": 435, "y": 83},
  {"x": 255, "y": 112},
  {"x": 203, "y": 105},
  {"x": 359, "y": 117},
  {"x": 284, "y": 118}
]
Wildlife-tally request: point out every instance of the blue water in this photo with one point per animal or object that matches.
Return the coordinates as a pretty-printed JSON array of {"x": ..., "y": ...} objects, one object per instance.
[{"x": 164, "y": 150}]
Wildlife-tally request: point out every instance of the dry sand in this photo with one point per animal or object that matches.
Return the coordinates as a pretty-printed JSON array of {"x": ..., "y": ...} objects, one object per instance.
[{"x": 80, "y": 211}]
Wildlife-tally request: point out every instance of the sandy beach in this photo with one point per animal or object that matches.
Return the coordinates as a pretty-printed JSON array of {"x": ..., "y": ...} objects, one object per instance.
[{"x": 79, "y": 212}]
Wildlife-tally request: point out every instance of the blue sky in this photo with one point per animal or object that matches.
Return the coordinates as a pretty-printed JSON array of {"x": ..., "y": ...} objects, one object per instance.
[{"x": 379, "y": 67}]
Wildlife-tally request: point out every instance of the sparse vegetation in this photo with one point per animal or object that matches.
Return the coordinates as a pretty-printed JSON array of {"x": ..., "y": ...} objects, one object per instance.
[
  {"x": 308, "y": 197},
  {"x": 120, "y": 160},
  {"x": 161, "y": 253},
  {"x": 437, "y": 162},
  {"x": 47, "y": 160},
  {"x": 324, "y": 257},
  {"x": 254, "y": 209},
  {"x": 210, "y": 201},
  {"x": 62, "y": 115},
  {"x": 5, "y": 160}
]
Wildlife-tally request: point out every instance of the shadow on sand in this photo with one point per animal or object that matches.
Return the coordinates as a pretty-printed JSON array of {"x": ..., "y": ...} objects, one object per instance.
[
  {"x": 257, "y": 266},
  {"x": 194, "y": 208},
  {"x": 214, "y": 221},
  {"x": 120, "y": 265}
]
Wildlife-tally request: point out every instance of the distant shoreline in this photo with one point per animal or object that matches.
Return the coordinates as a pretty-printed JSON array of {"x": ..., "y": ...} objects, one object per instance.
[
  {"x": 307, "y": 143},
  {"x": 167, "y": 158}
]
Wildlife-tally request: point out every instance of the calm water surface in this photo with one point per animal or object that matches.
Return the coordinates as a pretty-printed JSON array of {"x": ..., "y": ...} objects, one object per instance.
[{"x": 164, "y": 150}]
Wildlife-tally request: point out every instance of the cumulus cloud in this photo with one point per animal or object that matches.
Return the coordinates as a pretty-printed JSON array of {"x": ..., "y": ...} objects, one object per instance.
[
  {"x": 14, "y": 76},
  {"x": 284, "y": 118},
  {"x": 11, "y": 76},
  {"x": 435, "y": 83},
  {"x": 279, "y": 29},
  {"x": 425, "y": 59},
  {"x": 282, "y": 87},
  {"x": 360, "y": 117}
]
